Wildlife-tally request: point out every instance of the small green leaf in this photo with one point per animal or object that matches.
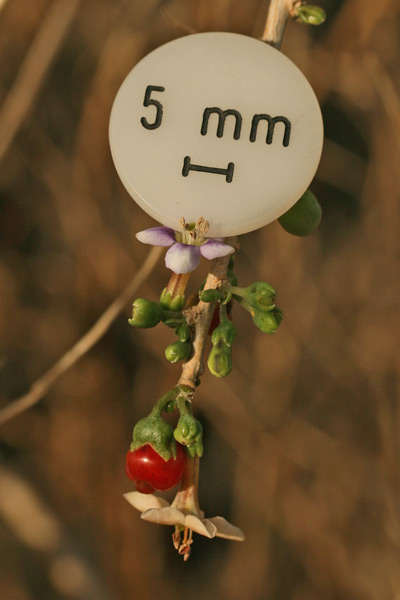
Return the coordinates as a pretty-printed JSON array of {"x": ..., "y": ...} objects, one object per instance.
[
  {"x": 173, "y": 322},
  {"x": 210, "y": 295},
  {"x": 183, "y": 332}
]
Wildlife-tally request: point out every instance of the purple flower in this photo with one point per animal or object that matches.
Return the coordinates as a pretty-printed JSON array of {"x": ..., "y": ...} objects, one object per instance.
[{"x": 186, "y": 247}]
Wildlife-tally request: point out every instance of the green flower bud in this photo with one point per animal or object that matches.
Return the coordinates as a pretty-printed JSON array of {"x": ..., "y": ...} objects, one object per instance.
[
  {"x": 210, "y": 295},
  {"x": 153, "y": 430},
  {"x": 225, "y": 331},
  {"x": 189, "y": 433},
  {"x": 178, "y": 351},
  {"x": 310, "y": 15},
  {"x": 171, "y": 303},
  {"x": 257, "y": 296},
  {"x": 183, "y": 332},
  {"x": 304, "y": 217},
  {"x": 268, "y": 322},
  {"x": 220, "y": 360},
  {"x": 261, "y": 296},
  {"x": 145, "y": 313}
]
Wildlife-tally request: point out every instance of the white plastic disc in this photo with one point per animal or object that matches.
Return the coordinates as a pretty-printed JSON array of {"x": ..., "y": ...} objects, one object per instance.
[{"x": 216, "y": 125}]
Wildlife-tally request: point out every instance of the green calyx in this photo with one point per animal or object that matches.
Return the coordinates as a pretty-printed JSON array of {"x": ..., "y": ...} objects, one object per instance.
[
  {"x": 189, "y": 433},
  {"x": 304, "y": 217},
  {"x": 153, "y": 430},
  {"x": 220, "y": 359},
  {"x": 309, "y": 15},
  {"x": 170, "y": 302},
  {"x": 145, "y": 313},
  {"x": 178, "y": 351}
]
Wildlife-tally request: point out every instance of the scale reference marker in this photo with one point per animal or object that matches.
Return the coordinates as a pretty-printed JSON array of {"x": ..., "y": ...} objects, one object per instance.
[{"x": 188, "y": 166}]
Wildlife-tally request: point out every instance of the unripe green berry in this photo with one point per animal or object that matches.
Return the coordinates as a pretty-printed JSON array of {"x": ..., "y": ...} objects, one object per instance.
[
  {"x": 304, "y": 217},
  {"x": 145, "y": 313},
  {"x": 178, "y": 351}
]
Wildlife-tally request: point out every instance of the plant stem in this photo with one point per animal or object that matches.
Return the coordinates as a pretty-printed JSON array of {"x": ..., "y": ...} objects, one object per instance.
[
  {"x": 200, "y": 318},
  {"x": 278, "y": 14}
]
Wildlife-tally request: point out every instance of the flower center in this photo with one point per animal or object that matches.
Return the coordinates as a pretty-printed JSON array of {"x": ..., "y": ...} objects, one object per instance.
[{"x": 193, "y": 234}]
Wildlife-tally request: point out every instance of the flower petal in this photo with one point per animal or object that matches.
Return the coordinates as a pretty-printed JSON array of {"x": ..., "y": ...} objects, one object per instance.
[
  {"x": 143, "y": 502},
  {"x": 202, "y": 527},
  {"x": 227, "y": 530},
  {"x": 164, "y": 516},
  {"x": 213, "y": 249},
  {"x": 157, "y": 236},
  {"x": 181, "y": 258}
]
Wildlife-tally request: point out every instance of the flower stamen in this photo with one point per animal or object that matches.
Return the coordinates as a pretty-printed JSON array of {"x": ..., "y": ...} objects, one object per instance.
[
  {"x": 202, "y": 226},
  {"x": 176, "y": 539},
  {"x": 184, "y": 548}
]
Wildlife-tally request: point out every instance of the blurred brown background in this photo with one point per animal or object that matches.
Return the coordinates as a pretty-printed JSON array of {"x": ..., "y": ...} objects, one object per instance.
[{"x": 302, "y": 439}]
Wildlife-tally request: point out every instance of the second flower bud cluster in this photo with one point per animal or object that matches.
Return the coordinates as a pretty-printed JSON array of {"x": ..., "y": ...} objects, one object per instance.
[{"x": 258, "y": 299}]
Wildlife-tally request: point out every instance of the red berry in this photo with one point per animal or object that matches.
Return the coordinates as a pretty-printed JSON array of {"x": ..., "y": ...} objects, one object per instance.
[{"x": 151, "y": 472}]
